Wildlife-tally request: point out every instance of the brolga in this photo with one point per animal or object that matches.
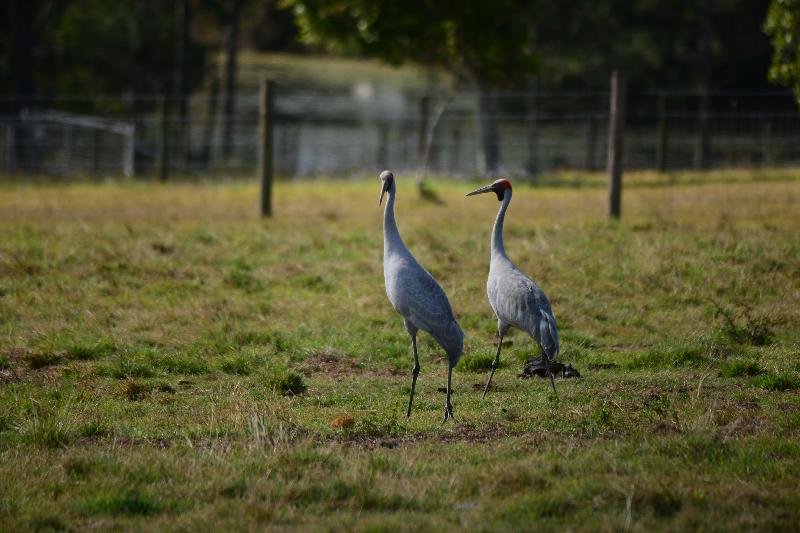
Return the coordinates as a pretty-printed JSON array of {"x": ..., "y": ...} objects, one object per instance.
[
  {"x": 414, "y": 294},
  {"x": 516, "y": 299}
]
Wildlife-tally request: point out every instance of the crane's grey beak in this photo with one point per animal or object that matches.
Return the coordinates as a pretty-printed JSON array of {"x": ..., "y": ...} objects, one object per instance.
[
  {"x": 384, "y": 188},
  {"x": 488, "y": 188}
]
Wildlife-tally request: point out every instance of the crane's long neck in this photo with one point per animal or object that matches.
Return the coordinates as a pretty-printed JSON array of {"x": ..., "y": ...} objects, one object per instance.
[
  {"x": 391, "y": 236},
  {"x": 498, "y": 249}
]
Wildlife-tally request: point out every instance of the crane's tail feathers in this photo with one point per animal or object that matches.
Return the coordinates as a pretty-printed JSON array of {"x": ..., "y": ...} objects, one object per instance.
[{"x": 548, "y": 335}]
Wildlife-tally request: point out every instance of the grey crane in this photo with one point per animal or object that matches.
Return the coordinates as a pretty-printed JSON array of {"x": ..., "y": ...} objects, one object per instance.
[
  {"x": 516, "y": 299},
  {"x": 414, "y": 294}
]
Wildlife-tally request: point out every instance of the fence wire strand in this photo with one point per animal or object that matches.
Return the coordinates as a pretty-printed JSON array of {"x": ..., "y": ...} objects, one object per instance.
[{"x": 340, "y": 133}]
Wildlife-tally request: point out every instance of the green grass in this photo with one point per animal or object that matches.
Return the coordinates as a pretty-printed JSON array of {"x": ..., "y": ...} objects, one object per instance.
[
  {"x": 130, "y": 502},
  {"x": 478, "y": 362},
  {"x": 741, "y": 367},
  {"x": 89, "y": 351},
  {"x": 778, "y": 382},
  {"x": 670, "y": 356},
  {"x": 168, "y": 360},
  {"x": 286, "y": 381}
]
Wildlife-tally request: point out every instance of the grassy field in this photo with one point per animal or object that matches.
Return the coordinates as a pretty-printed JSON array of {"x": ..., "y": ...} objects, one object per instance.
[{"x": 170, "y": 361}]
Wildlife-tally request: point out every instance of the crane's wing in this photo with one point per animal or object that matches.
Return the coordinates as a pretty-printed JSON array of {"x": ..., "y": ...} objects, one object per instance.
[
  {"x": 518, "y": 301},
  {"x": 548, "y": 334},
  {"x": 424, "y": 303}
]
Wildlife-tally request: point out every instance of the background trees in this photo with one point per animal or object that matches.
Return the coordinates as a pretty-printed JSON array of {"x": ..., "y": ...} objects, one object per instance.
[
  {"x": 488, "y": 45},
  {"x": 783, "y": 25},
  {"x": 100, "y": 46},
  {"x": 146, "y": 47},
  {"x": 491, "y": 46}
]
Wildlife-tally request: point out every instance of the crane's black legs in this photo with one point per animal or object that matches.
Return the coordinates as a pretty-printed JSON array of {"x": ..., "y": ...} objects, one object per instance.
[
  {"x": 550, "y": 373},
  {"x": 495, "y": 363},
  {"x": 415, "y": 370},
  {"x": 448, "y": 407}
]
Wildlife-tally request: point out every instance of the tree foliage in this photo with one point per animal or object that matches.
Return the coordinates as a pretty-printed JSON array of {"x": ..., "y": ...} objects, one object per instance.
[
  {"x": 783, "y": 26},
  {"x": 99, "y": 46},
  {"x": 96, "y": 47},
  {"x": 114, "y": 46},
  {"x": 573, "y": 43},
  {"x": 486, "y": 42}
]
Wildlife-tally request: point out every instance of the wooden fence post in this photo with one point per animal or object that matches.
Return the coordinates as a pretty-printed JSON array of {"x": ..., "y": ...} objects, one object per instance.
[
  {"x": 661, "y": 134},
  {"x": 95, "y": 151},
  {"x": 162, "y": 139},
  {"x": 766, "y": 143},
  {"x": 702, "y": 152},
  {"x": 591, "y": 141},
  {"x": 266, "y": 119},
  {"x": 616, "y": 127}
]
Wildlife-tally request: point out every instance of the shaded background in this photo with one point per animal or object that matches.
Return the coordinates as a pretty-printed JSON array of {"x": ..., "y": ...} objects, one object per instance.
[{"x": 143, "y": 87}]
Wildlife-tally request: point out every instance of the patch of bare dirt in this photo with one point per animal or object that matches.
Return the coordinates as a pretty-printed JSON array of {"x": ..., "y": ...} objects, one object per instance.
[
  {"x": 458, "y": 433},
  {"x": 335, "y": 364},
  {"x": 160, "y": 443},
  {"x": 16, "y": 355},
  {"x": 24, "y": 363},
  {"x": 15, "y": 368},
  {"x": 665, "y": 428}
]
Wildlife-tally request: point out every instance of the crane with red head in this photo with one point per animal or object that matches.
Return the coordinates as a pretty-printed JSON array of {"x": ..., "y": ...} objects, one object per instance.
[{"x": 517, "y": 300}]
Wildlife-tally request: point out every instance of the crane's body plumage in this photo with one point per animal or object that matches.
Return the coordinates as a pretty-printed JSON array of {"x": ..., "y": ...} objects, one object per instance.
[
  {"x": 519, "y": 302},
  {"x": 415, "y": 294},
  {"x": 516, "y": 299}
]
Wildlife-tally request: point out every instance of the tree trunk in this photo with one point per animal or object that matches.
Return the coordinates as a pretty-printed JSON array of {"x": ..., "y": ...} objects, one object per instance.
[
  {"x": 22, "y": 88},
  {"x": 422, "y": 134},
  {"x": 232, "y": 51},
  {"x": 703, "y": 159},
  {"x": 208, "y": 128},
  {"x": 180, "y": 83},
  {"x": 489, "y": 152}
]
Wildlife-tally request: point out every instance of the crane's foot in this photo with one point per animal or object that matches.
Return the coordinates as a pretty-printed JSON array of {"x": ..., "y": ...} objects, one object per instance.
[{"x": 448, "y": 411}]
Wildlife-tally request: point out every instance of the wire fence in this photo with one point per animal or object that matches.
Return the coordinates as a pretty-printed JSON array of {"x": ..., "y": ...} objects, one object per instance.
[{"x": 366, "y": 129}]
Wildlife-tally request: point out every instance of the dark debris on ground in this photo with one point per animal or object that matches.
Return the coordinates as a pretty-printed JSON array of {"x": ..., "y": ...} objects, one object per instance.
[{"x": 538, "y": 367}]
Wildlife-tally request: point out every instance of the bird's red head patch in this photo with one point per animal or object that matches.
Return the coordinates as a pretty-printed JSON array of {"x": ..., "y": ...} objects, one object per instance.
[
  {"x": 501, "y": 183},
  {"x": 500, "y": 186}
]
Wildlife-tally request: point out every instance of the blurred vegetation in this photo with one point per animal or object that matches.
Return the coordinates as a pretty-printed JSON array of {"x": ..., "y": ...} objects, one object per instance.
[
  {"x": 137, "y": 46},
  {"x": 783, "y": 25},
  {"x": 143, "y": 48},
  {"x": 132, "y": 47},
  {"x": 563, "y": 44},
  {"x": 528, "y": 45}
]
